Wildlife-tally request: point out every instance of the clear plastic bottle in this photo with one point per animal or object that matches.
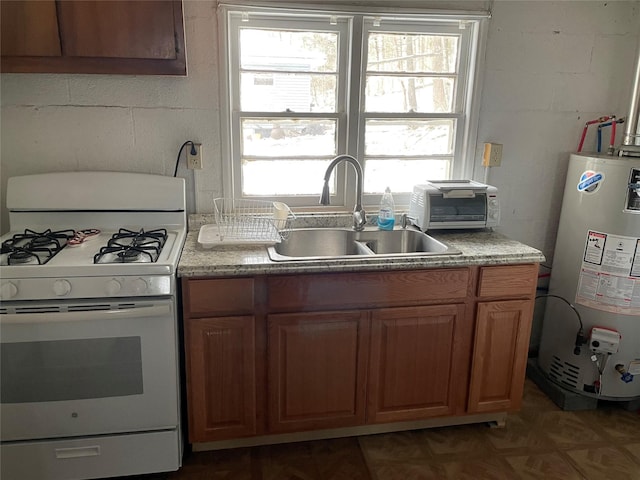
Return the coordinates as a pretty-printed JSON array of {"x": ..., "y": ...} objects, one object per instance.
[{"x": 386, "y": 214}]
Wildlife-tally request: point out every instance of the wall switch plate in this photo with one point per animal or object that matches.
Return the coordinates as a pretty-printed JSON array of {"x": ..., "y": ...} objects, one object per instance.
[
  {"x": 194, "y": 162},
  {"x": 492, "y": 155}
]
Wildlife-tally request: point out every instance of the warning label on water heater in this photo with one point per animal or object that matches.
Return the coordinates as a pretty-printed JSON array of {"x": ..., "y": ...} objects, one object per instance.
[{"x": 610, "y": 273}]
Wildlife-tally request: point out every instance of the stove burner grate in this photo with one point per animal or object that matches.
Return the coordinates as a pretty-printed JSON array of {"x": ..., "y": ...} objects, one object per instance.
[
  {"x": 33, "y": 247},
  {"x": 128, "y": 246}
]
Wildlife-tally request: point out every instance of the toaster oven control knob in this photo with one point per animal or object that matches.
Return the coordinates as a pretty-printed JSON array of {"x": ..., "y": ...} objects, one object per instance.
[
  {"x": 8, "y": 290},
  {"x": 61, "y": 287},
  {"x": 113, "y": 286},
  {"x": 139, "y": 285}
]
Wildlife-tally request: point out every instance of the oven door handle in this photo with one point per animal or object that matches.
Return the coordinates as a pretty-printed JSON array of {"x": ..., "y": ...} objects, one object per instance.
[{"x": 47, "y": 317}]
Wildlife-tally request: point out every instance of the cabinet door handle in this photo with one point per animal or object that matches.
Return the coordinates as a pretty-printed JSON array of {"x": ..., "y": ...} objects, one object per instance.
[{"x": 77, "y": 452}]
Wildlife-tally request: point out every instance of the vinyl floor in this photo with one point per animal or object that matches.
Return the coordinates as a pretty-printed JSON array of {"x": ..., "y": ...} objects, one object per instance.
[{"x": 541, "y": 441}]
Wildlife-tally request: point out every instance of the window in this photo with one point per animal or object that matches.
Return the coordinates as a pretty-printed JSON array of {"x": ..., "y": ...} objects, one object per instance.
[{"x": 303, "y": 86}]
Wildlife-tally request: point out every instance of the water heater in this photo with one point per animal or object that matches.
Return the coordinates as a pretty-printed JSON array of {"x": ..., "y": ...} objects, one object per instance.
[{"x": 590, "y": 341}]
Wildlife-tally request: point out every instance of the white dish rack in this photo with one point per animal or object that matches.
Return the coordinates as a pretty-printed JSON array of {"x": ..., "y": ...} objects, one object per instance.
[{"x": 246, "y": 222}]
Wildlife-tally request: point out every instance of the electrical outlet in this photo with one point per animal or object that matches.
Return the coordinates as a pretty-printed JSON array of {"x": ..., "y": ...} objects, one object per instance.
[
  {"x": 492, "y": 155},
  {"x": 194, "y": 162}
]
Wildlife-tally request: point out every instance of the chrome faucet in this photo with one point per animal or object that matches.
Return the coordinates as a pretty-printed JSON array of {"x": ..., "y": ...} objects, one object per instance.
[{"x": 359, "y": 216}]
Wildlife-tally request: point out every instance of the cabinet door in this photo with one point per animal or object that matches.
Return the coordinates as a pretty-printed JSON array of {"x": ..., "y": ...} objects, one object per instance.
[
  {"x": 29, "y": 28},
  {"x": 112, "y": 37},
  {"x": 221, "y": 378},
  {"x": 317, "y": 370},
  {"x": 500, "y": 355},
  {"x": 418, "y": 358},
  {"x": 117, "y": 29}
]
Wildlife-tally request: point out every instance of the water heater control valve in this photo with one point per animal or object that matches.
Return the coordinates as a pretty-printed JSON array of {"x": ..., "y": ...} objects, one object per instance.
[{"x": 604, "y": 340}]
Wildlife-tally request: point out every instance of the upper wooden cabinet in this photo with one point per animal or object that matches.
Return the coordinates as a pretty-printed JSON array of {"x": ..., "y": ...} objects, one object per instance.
[
  {"x": 110, "y": 37},
  {"x": 29, "y": 29}
]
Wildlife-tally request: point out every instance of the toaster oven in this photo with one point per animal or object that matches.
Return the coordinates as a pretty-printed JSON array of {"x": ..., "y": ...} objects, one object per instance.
[{"x": 454, "y": 204}]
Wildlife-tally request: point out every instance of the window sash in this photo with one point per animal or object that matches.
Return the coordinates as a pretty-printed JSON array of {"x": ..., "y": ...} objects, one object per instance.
[
  {"x": 383, "y": 25},
  {"x": 350, "y": 128}
]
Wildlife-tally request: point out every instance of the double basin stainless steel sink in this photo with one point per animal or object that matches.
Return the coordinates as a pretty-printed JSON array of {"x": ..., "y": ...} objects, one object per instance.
[{"x": 307, "y": 244}]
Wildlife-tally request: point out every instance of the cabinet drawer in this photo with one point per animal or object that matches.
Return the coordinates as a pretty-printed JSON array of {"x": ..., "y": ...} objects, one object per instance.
[
  {"x": 220, "y": 296},
  {"x": 367, "y": 290},
  {"x": 508, "y": 280}
]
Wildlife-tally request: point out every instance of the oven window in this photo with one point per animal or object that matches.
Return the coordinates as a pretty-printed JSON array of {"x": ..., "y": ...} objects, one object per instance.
[
  {"x": 71, "y": 369},
  {"x": 458, "y": 209}
]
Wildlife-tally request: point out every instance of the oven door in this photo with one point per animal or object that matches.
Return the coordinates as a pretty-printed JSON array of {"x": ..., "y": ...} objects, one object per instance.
[{"x": 87, "y": 368}]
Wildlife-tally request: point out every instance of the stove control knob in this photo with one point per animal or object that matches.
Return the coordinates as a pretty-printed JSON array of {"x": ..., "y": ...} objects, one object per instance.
[
  {"x": 8, "y": 290},
  {"x": 113, "y": 286},
  {"x": 139, "y": 285},
  {"x": 61, "y": 287}
]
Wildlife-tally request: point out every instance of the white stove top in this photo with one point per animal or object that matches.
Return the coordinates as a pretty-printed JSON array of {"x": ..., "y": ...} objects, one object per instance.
[
  {"x": 107, "y": 201},
  {"x": 78, "y": 261},
  {"x": 72, "y": 273}
]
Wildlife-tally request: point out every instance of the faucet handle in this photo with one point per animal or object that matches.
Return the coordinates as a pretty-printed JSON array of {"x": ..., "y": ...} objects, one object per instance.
[
  {"x": 359, "y": 219},
  {"x": 406, "y": 221}
]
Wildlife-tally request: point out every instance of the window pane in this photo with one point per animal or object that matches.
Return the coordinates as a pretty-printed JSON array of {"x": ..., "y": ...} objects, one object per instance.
[
  {"x": 283, "y": 177},
  {"x": 402, "y": 175},
  {"x": 401, "y": 52},
  {"x": 405, "y": 137},
  {"x": 277, "y": 137},
  {"x": 279, "y": 92},
  {"x": 290, "y": 51},
  {"x": 293, "y": 99},
  {"x": 409, "y": 94}
]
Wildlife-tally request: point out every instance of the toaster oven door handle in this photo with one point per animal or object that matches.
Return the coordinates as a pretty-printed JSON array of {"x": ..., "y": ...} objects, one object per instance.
[
  {"x": 83, "y": 316},
  {"x": 459, "y": 194}
]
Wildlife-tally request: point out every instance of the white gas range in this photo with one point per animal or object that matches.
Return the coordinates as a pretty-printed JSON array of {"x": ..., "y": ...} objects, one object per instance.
[
  {"x": 130, "y": 261},
  {"x": 88, "y": 325}
]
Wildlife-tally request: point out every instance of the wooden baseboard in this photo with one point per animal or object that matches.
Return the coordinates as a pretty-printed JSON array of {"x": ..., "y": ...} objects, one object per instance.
[{"x": 491, "y": 418}]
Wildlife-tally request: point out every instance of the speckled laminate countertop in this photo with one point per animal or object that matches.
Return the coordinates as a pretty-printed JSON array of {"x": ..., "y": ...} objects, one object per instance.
[{"x": 483, "y": 247}]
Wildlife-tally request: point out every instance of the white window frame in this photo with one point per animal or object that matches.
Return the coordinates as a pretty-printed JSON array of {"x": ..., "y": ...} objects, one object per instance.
[{"x": 353, "y": 51}]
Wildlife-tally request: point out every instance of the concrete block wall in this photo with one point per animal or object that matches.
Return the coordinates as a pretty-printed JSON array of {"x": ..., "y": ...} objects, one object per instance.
[
  {"x": 550, "y": 66},
  {"x": 119, "y": 122}
]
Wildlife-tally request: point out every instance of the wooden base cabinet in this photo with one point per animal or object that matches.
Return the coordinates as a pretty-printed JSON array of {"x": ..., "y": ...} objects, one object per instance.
[
  {"x": 502, "y": 332},
  {"x": 418, "y": 357},
  {"x": 222, "y": 353},
  {"x": 499, "y": 355},
  {"x": 317, "y": 370},
  {"x": 293, "y": 353},
  {"x": 222, "y": 386}
]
